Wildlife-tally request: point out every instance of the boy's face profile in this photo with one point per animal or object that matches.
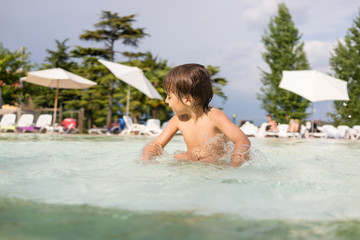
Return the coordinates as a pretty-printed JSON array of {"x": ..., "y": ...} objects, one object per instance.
[{"x": 179, "y": 107}]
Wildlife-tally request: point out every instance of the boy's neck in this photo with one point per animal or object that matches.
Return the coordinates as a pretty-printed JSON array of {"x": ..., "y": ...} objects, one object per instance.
[{"x": 193, "y": 114}]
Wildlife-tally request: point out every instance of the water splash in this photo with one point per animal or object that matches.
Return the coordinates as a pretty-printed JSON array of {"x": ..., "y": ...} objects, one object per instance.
[{"x": 218, "y": 150}]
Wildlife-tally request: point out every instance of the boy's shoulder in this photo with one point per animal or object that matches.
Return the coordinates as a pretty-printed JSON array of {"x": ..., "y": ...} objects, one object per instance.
[{"x": 215, "y": 113}]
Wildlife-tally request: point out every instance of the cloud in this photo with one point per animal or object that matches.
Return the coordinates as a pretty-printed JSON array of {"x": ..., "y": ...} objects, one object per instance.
[
  {"x": 239, "y": 65},
  {"x": 318, "y": 54},
  {"x": 323, "y": 19},
  {"x": 259, "y": 11}
]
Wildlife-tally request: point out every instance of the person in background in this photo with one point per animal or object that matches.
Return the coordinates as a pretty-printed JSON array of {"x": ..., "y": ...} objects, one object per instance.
[
  {"x": 272, "y": 125},
  {"x": 114, "y": 127},
  {"x": 294, "y": 125}
]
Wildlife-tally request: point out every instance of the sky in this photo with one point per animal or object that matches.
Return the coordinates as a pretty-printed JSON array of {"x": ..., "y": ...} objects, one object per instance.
[{"x": 223, "y": 33}]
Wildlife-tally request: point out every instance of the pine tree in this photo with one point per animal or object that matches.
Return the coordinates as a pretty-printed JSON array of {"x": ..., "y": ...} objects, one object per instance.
[
  {"x": 345, "y": 61},
  {"x": 284, "y": 51},
  {"x": 59, "y": 58}
]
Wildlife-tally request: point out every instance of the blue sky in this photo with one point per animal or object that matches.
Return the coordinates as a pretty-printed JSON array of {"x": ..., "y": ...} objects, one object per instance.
[{"x": 224, "y": 33}]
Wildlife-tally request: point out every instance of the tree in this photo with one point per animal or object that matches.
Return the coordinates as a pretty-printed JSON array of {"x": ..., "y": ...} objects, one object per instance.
[
  {"x": 345, "y": 61},
  {"x": 110, "y": 29},
  {"x": 13, "y": 66},
  {"x": 59, "y": 58},
  {"x": 218, "y": 82},
  {"x": 284, "y": 51}
]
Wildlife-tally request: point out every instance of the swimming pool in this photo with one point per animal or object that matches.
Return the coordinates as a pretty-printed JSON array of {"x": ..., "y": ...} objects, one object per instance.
[{"x": 94, "y": 187}]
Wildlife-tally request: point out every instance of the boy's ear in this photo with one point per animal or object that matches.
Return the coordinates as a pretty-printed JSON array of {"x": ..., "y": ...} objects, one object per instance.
[{"x": 188, "y": 101}]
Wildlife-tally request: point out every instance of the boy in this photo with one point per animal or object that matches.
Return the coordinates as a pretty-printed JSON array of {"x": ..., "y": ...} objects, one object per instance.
[{"x": 205, "y": 130}]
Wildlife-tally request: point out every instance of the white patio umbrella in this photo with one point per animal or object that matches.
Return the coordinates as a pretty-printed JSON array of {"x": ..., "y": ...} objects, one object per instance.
[
  {"x": 133, "y": 76},
  {"x": 57, "y": 78},
  {"x": 314, "y": 86}
]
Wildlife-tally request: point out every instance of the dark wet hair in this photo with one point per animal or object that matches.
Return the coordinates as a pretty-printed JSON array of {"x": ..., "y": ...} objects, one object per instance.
[{"x": 190, "y": 80}]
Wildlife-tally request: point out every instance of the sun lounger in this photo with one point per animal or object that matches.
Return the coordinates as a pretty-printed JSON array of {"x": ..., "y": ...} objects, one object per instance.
[
  {"x": 7, "y": 122},
  {"x": 25, "y": 123},
  {"x": 344, "y": 131},
  {"x": 306, "y": 131},
  {"x": 249, "y": 129},
  {"x": 153, "y": 127},
  {"x": 356, "y": 131},
  {"x": 55, "y": 128},
  {"x": 350, "y": 133},
  {"x": 131, "y": 127},
  {"x": 317, "y": 134},
  {"x": 263, "y": 133},
  {"x": 330, "y": 131},
  {"x": 68, "y": 125},
  {"x": 284, "y": 131},
  {"x": 100, "y": 131},
  {"x": 42, "y": 123}
]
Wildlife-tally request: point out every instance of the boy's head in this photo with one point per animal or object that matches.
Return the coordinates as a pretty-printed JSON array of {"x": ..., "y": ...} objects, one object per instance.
[{"x": 190, "y": 80}]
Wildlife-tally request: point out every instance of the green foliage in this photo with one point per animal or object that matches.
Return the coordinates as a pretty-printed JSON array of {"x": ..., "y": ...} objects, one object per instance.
[
  {"x": 59, "y": 58},
  {"x": 218, "y": 82},
  {"x": 345, "y": 61},
  {"x": 132, "y": 55},
  {"x": 95, "y": 53},
  {"x": 13, "y": 66},
  {"x": 284, "y": 51},
  {"x": 110, "y": 29}
]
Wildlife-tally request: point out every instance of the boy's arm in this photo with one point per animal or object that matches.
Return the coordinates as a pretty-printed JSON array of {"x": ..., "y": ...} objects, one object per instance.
[
  {"x": 234, "y": 133},
  {"x": 156, "y": 147}
]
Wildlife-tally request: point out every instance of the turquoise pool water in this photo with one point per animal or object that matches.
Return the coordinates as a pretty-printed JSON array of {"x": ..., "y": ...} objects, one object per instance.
[{"x": 94, "y": 187}]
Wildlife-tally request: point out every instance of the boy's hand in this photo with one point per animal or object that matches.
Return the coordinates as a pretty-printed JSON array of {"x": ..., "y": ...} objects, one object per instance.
[
  {"x": 240, "y": 155},
  {"x": 150, "y": 151}
]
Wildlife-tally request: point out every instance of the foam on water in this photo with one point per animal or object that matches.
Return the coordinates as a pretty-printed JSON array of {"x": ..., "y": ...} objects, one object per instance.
[{"x": 313, "y": 179}]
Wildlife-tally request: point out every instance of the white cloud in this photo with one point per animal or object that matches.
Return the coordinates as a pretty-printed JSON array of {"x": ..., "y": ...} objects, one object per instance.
[
  {"x": 323, "y": 19},
  {"x": 318, "y": 54},
  {"x": 258, "y": 12},
  {"x": 239, "y": 65}
]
